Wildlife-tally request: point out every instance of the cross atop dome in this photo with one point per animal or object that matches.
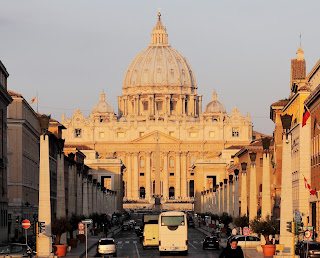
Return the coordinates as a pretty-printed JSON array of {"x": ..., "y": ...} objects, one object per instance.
[{"x": 159, "y": 36}]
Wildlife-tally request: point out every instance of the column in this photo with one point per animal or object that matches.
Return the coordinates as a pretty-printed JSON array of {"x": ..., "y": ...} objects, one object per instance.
[
  {"x": 165, "y": 176},
  {"x": 253, "y": 187},
  {"x": 231, "y": 195},
  {"x": 178, "y": 185},
  {"x": 90, "y": 200},
  {"x": 148, "y": 175},
  {"x": 71, "y": 184},
  {"x": 61, "y": 196},
  {"x": 79, "y": 191},
  {"x": 136, "y": 175},
  {"x": 266, "y": 195},
  {"x": 94, "y": 196},
  {"x": 221, "y": 197},
  {"x": 244, "y": 204},
  {"x": 44, "y": 239},
  {"x": 85, "y": 200},
  {"x": 129, "y": 176},
  {"x": 184, "y": 175},
  {"x": 225, "y": 196},
  {"x": 236, "y": 192},
  {"x": 286, "y": 211}
]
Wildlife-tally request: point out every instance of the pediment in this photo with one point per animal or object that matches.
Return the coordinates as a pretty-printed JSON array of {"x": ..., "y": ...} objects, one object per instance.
[{"x": 153, "y": 136}]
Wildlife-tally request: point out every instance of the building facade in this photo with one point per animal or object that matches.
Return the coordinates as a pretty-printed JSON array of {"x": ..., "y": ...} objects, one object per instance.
[
  {"x": 5, "y": 100},
  {"x": 160, "y": 130}
]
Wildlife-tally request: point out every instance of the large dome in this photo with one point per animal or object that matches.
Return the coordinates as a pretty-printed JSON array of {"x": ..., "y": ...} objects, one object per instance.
[{"x": 159, "y": 64}]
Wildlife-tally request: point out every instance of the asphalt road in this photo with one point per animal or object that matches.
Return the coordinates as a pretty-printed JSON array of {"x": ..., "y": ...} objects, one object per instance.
[{"x": 128, "y": 245}]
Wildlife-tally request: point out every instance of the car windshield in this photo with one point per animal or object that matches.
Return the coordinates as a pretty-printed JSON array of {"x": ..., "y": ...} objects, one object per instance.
[
  {"x": 106, "y": 242},
  {"x": 18, "y": 248},
  {"x": 314, "y": 246},
  {"x": 4, "y": 249},
  {"x": 172, "y": 221}
]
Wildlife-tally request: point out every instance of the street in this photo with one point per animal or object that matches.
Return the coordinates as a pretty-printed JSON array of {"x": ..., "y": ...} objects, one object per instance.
[{"x": 128, "y": 245}]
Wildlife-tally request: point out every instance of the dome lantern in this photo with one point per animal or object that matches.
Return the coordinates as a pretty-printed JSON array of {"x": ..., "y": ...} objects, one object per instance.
[{"x": 159, "y": 36}]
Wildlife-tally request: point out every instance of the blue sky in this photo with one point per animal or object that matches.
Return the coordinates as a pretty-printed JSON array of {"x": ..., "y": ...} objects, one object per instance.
[{"x": 69, "y": 51}]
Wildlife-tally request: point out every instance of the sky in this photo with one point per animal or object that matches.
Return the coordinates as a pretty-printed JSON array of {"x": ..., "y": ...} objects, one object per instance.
[{"x": 68, "y": 52}]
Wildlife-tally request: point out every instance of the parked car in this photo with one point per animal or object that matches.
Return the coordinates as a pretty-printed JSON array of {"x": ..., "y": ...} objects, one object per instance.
[
  {"x": 210, "y": 242},
  {"x": 312, "y": 247},
  {"x": 248, "y": 241},
  {"x": 16, "y": 250},
  {"x": 107, "y": 246},
  {"x": 191, "y": 224},
  {"x": 125, "y": 227}
]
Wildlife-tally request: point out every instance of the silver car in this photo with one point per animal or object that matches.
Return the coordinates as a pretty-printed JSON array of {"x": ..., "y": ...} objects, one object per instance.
[
  {"x": 16, "y": 250},
  {"x": 107, "y": 246}
]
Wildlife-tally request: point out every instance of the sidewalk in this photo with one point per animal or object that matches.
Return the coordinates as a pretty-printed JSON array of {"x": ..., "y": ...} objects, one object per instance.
[
  {"x": 249, "y": 252},
  {"x": 80, "y": 250}
]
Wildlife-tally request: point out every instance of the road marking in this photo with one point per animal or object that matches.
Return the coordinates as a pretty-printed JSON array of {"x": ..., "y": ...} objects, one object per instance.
[
  {"x": 193, "y": 246},
  {"x": 127, "y": 242},
  {"x": 137, "y": 250},
  {"x": 195, "y": 242},
  {"x": 120, "y": 242},
  {"x": 134, "y": 242}
]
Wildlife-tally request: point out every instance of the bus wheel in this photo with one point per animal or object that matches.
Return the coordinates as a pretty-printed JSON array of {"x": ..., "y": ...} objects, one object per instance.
[{"x": 161, "y": 253}]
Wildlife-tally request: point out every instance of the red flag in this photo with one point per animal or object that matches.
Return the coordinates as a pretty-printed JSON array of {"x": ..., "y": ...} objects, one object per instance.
[
  {"x": 313, "y": 192},
  {"x": 33, "y": 100},
  {"x": 306, "y": 115}
]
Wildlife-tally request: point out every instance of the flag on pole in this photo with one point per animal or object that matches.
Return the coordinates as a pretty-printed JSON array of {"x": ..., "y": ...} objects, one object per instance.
[
  {"x": 313, "y": 192},
  {"x": 33, "y": 100},
  {"x": 306, "y": 115}
]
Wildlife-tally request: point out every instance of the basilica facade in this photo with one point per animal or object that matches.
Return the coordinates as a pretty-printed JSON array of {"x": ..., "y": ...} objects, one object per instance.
[{"x": 167, "y": 144}]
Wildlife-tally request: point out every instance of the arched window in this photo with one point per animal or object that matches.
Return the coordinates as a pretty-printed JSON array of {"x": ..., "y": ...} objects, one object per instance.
[
  {"x": 142, "y": 162},
  {"x": 142, "y": 193},
  {"x": 171, "y": 162},
  {"x": 171, "y": 192}
]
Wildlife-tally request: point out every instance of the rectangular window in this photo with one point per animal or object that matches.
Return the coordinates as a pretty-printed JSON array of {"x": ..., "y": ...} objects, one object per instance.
[
  {"x": 171, "y": 133},
  {"x": 106, "y": 182},
  {"x": 120, "y": 134},
  {"x": 159, "y": 105},
  {"x": 141, "y": 174},
  {"x": 141, "y": 134},
  {"x": 193, "y": 134},
  {"x": 145, "y": 106},
  {"x": 101, "y": 135},
  {"x": 191, "y": 188},
  {"x": 171, "y": 174},
  {"x": 191, "y": 174},
  {"x": 77, "y": 133},
  {"x": 211, "y": 134},
  {"x": 261, "y": 162},
  {"x": 235, "y": 132}
]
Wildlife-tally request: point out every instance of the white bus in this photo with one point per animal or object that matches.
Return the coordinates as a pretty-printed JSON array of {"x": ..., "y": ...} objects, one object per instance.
[{"x": 173, "y": 232}]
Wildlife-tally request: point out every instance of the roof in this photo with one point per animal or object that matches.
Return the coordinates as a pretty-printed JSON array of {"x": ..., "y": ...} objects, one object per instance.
[
  {"x": 281, "y": 102},
  {"x": 79, "y": 147},
  {"x": 15, "y": 94}
]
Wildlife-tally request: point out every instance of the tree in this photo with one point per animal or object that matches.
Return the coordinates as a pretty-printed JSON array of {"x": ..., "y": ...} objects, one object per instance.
[
  {"x": 74, "y": 220},
  {"x": 225, "y": 219},
  {"x": 59, "y": 226},
  {"x": 241, "y": 221},
  {"x": 266, "y": 227}
]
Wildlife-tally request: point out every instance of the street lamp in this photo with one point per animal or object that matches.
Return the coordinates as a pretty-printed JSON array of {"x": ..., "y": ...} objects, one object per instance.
[
  {"x": 253, "y": 156},
  {"x": 286, "y": 123},
  {"x": 244, "y": 166}
]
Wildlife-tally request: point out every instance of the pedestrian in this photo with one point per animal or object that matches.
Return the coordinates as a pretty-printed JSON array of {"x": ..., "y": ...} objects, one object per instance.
[{"x": 232, "y": 250}]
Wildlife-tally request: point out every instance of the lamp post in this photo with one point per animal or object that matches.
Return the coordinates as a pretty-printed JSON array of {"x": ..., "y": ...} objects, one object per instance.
[
  {"x": 286, "y": 210},
  {"x": 244, "y": 209}
]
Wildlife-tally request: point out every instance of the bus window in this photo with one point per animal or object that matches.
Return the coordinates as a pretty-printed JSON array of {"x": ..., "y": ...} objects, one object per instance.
[{"x": 172, "y": 221}]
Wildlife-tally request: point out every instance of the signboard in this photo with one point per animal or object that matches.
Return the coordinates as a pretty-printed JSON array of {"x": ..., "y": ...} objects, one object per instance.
[
  {"x": 26, "y": 224},
  {"x": 246, "y": 231},
  {"x": 81, "y": 232},
  {"x": 307, "y": 234},
  {"x": 80, "y": 226},
  {"x": 87, "y": 221}
]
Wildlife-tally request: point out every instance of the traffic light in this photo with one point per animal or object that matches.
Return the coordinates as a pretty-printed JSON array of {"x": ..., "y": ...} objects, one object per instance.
[
  {"x": 289, "y": 226},
  {"x": 17, "y": 219},
  {"x": 42, "y": 227},
  {"x": 298, "y": 227},
  {"x": 219, "y": 223}
]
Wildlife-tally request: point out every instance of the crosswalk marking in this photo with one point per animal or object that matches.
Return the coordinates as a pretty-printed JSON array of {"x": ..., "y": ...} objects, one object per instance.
[
  {"x": 134, "y": 242},
  {"x": 127, "y": 242},
  {"x": 120, "y": 242}
]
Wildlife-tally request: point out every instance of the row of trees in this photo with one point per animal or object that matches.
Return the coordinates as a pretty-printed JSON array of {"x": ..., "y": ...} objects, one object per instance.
[
  {"x": 70, "y": 224},
  {"x": 265, "y": 227}
]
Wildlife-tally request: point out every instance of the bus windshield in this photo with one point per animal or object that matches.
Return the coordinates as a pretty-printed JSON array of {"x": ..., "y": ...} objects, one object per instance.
[{"x": 172, "y": 221}]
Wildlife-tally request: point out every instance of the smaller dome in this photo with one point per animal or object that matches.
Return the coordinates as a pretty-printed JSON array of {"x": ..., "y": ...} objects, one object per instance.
[
  {"x": 215, "y": 106},
  {"x": 102, "y": 106}
]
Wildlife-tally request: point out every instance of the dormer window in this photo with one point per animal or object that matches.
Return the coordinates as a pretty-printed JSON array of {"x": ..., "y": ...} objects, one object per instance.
[
  {"x": 145, "y": 106},
  {"x": 101, "y": 119},
  {"x": 159, "y": 105},
  {"x": 77, "y": 133},
  {"x": 235, "y": 132}
]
